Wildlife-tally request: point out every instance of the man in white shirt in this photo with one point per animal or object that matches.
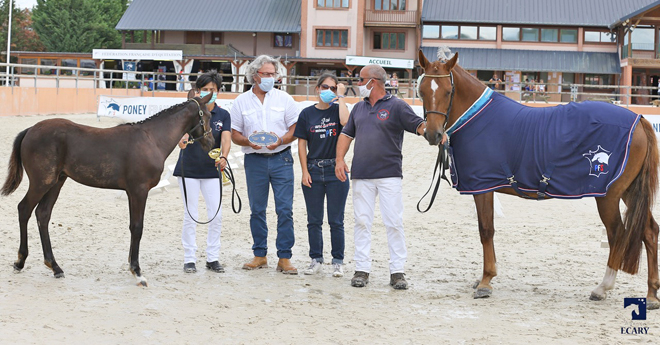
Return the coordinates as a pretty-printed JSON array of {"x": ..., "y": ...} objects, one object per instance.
[{"x": 266, "y": 109}]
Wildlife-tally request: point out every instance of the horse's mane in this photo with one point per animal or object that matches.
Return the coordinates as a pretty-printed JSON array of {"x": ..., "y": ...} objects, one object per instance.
[{"x": 167, "y": 111}]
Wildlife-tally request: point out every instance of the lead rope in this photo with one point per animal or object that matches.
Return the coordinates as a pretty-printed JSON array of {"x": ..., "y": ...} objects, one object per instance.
[{"x": 440, "y": 164}]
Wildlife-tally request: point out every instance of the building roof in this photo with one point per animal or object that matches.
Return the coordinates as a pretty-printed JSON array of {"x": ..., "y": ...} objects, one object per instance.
[
  {"x": 533, "y": 60},
  {"x": 213, "y": 15},
  {"x": 537, "y": 12},
  {"x": 634, "y": 13}
]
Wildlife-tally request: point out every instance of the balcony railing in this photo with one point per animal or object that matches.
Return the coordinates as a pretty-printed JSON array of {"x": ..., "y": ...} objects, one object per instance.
[{"x": 390, "y": 18}]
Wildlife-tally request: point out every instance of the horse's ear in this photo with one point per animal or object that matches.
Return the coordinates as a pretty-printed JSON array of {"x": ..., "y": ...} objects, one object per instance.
[
  {"x": 452, "y": 62},
  {"x": 423, "y": 61},
  {"x": 191, "y": 93}
]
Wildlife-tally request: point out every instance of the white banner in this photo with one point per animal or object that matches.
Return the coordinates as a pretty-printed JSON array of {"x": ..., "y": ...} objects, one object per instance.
[
  {"x": 128, "y": 54},
  {"x": 383, "y": 62},
  {"x": 139, "y": 108}
]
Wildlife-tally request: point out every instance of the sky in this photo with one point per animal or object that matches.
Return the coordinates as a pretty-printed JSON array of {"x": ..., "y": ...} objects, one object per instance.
[{"x": 25, "y": 3}]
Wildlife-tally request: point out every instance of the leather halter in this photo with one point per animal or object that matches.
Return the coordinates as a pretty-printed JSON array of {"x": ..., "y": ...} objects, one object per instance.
[
  {"x": 451, "y": 99},
  {"x": 201, "y": 123}
]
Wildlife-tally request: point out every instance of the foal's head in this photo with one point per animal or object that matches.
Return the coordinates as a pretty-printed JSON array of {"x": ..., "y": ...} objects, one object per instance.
[
  {"x": 437, "y": 92},
  {"x": 201, "y": 126}
]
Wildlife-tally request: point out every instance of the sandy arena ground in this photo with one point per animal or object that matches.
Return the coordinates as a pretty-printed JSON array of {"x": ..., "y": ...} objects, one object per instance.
[{"x": 549, "y": 259}]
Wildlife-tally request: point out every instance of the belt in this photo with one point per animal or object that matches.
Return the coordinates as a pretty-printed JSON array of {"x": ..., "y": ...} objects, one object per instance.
[
  {"x": 321, "y": 162},
  {"x": 274, "y": 153}
]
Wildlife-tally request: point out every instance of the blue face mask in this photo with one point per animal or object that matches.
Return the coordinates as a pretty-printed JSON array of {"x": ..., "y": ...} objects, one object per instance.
[
  {"x": 206, "y": 93},
  {"x": 267, "y": 84},
  {"x": 327, "y": 96}
]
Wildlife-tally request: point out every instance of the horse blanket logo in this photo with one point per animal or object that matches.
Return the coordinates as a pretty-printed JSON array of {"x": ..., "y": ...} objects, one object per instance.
[
  {"x": 599, "y": 161},
  {"x": 577, "y": 150}
]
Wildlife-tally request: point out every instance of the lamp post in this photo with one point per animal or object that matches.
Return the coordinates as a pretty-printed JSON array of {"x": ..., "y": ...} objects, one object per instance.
[{"x": 11, "y": 7}]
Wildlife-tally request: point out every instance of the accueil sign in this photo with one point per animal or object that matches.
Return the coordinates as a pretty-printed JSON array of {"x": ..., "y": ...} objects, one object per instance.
[
  {"x": 128, "y": 54},
  {"x": 383, "y": 62}
]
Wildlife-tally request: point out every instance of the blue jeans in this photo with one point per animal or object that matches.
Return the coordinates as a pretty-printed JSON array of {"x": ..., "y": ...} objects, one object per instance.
[
  {"x": 325, "y": 185},
  {"x": 276, "y": 170}
]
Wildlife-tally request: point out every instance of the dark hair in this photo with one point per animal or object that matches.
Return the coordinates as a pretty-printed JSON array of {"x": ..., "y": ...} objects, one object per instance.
[
  {"x": 325, "y": 75},
  {"x": 209, "y": 77}
]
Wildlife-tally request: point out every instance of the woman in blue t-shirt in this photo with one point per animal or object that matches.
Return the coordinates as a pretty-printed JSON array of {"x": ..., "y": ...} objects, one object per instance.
[
  {"x": 317, "y": 130},
  {"x": 201, "y": 174}
]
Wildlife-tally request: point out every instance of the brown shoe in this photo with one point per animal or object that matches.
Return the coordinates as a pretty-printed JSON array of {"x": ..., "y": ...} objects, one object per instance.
[
  {"x": 284, "y": 266},
  {"x": 257, "y": 262}
]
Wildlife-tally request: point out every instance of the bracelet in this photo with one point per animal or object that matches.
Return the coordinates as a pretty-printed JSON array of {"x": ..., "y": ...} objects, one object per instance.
[{"x": 341, "y": 96}]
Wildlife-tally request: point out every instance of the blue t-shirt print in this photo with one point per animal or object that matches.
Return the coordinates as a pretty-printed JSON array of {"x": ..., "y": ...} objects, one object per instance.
[{"x": 321, "y": 129}]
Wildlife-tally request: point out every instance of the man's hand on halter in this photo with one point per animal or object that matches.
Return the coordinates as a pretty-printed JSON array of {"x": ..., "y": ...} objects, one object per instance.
[{"x": 183, "y": 142}]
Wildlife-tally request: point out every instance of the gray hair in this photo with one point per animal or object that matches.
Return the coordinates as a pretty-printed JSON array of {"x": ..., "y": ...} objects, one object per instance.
[
  {"x": 256, "y": 65},
  {"x": 376, "y": 71}
]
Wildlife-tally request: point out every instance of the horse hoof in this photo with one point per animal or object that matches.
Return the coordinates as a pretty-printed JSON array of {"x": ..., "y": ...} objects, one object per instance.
[
  {"x": 652, "y": 305},
  {"x": 17, "y": 268},
  {"x": 59, "y": 275},
  {"x": 483, "y": 293},
  {"x": 596, "y": 297},
  {"x": 142, "y": 283},
  {"x": 476, "y": 283}
]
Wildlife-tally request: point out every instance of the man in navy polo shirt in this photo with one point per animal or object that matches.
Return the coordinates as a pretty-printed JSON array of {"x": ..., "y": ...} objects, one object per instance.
[{"x": 377, "y": 125}]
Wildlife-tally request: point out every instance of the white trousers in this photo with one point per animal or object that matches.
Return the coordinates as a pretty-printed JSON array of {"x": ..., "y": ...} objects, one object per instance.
[
  {"x": 389, "y": 191},
  {"x": 211, "y": 191}
]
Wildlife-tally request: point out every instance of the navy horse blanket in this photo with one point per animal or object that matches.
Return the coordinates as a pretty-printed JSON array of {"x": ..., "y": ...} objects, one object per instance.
[{"x": 568, "y": 151}]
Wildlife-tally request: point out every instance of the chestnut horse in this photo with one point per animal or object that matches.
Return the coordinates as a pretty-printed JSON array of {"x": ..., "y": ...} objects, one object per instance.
[
  {"x": 128, "y": 157},
  {"x": 448, "y": 92}
]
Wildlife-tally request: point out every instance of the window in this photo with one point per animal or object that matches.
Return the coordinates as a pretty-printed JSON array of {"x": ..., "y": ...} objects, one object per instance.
[
  {"x": 568, "y": 36},
  {"x": 530, "y": 35},
  {"x": 48, "y": 62},
  {"x": 642, "y": 38},
  {"x": 332, "y": 3},
  {"x": 390, "y": 40},
  {"x": 25, "y": 61},
  {"x": 449, "y": 32},
  {"x": 69, "y": 63},
  {"x": 488, "y": 33},
  {"x": 511, "y": 34},
  {"x": 331, "y": 38},
  {"x": 468, "y": 32},
  {"x": 549, "y": 35},
  {"x": 87, "y": 64},
  {"x": 389, "y": 5},
  {"x": 283, "y": 40},
  {"x": 431, "y": 31},
  {"x": 597, "y": 79}
]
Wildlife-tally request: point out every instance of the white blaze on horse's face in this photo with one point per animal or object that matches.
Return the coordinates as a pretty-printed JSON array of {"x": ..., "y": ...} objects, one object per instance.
[{"x": 434, "y": 86}]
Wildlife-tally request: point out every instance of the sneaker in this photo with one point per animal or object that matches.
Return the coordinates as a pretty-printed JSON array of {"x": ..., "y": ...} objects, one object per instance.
[
  {"x": 398, "y": 281},
  {"x": 338, "y": 271},
  {"x": 360, "y": 279},
  {"x": 189, "y": 267},
  {"x": 314, "y": 267},
  {"x": 215, "y": 267}
]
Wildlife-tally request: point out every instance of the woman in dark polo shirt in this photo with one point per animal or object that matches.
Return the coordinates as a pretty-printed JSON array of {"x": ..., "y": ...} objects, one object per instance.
[
  {"x": 317, "y": 130},
  {"x": 201, "y": 174}
]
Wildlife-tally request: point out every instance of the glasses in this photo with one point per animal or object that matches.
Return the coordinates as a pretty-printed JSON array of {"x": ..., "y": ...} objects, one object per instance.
[
  {"x": 267, "y": 75},
  {"x": 361, "y": 80},
  {"x": 326, "y": 87}
]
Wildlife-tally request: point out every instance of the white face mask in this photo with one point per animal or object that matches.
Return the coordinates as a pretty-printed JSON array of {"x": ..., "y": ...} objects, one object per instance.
[
  {"x": 267, "y": 84},
  {"x": 364, "y": 92}
]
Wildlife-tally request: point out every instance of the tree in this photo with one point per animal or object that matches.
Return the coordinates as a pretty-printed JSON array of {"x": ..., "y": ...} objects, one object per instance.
[
  {"x": 78, "y": 25},
  {"x": 23, "y": 37}
]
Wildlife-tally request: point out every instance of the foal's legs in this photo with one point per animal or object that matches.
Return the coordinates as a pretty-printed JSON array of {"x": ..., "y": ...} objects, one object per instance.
[
  {"x": 43, "y": 213},
  {"x": 25, "y": 208},
  {"x": 608, "y": 209},
  {"x": 484, "y": 203},
  {"x": 137, "y": 201},
  {"x": 651, "y": 245}
]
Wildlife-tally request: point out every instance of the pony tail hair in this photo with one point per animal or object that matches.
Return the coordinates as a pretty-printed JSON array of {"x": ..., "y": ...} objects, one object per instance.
[
  {"x": 640, "y": 196},
  {"x": 15, "y": 168}
]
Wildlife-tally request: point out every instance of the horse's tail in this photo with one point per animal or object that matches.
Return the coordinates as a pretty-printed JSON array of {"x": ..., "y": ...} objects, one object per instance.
[
  {"x": 15, "y": 168},
  {"x": 641, "y": 196}
]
